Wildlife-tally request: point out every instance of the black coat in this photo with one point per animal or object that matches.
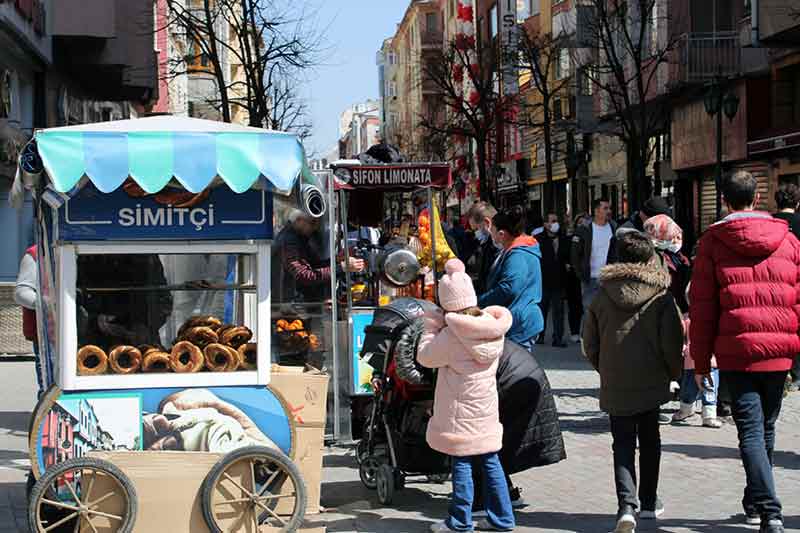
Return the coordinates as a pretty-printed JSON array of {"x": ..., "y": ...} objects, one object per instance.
[
  {"x": 531, "y": 432},
  {"x": 554, "y": 264},
  {"x": 485, "y": 256}
]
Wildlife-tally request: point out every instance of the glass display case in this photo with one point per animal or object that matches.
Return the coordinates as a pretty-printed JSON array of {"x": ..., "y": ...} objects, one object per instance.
[{"x": 136, "y": 315}]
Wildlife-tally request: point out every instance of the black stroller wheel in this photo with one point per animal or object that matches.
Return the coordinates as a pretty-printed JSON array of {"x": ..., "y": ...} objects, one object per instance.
[
  {"x": 362, "y": 451},
  {"x": 368, "y": 471},
  {"x": 386, "y": 484}
]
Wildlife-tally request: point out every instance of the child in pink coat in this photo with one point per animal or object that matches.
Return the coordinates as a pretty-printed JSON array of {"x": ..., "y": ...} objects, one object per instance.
[{"x": 465, "y": 344}]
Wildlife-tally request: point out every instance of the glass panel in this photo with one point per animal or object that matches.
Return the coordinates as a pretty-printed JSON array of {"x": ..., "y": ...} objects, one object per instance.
[{"x": 166, "y": 313}]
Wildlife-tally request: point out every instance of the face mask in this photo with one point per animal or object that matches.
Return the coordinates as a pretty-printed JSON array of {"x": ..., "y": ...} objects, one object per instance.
[
  {"x": 554, "y": 227},
  {"x": 482, "y": 235},
  {"x": 674, "y": 247}
]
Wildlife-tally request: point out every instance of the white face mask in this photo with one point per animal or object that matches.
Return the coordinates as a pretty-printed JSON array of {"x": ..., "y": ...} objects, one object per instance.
[
  {"x": 554, "y": 227},
  {"x": 674, "y": 247},
  {"x": 482, "y": 235}
]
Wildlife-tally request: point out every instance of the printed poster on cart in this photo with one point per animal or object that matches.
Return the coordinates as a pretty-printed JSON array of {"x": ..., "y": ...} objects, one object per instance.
[{"x": 362, "y": 372}]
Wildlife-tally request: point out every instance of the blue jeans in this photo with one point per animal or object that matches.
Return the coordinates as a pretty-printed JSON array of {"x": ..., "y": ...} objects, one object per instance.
[
  {"x": 756, "y": 399},
  {"x": 690, "y": 393},
  {"x": 496, "y": 499},
  {"x": 589, "y": 290}
]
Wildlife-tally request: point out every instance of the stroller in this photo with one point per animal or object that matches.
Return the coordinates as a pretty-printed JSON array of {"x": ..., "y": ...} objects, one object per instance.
[{"x": 393, "y": 446}]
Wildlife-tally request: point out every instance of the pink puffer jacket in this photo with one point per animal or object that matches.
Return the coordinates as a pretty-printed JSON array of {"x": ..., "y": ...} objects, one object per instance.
[{"x": 466, "y": 351}]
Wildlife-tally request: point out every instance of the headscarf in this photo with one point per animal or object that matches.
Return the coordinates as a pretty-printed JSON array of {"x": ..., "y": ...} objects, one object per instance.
[{"x": 664, "y": 232}]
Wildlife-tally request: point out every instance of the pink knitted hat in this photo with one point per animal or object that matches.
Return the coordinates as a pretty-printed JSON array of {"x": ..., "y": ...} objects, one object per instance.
[{"x": 455, "y": 288}]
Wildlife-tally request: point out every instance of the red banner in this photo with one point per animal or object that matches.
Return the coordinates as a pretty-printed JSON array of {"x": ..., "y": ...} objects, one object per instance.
[{"x": 389, "y": 177}]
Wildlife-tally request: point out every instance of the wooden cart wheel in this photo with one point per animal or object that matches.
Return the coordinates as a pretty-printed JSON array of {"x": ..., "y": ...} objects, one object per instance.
[
  {"x": 82, "y": 495},
  {"x": 254, "y": 487}
]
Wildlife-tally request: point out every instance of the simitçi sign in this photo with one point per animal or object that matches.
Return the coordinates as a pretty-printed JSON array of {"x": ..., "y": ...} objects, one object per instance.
[{"x": 406, "y": 176}]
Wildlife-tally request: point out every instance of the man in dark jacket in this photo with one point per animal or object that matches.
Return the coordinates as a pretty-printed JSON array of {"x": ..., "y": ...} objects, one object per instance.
[
  {"x": 480, "y": 218},
  {"x": 744, "y": 310},
  {"x": 531, "y": 431},
  {"x": 652, "y": 207},
  {"x": 555, "y": 258},
  {"x": 787, "y": 197},
  {"x": 593, "y": 247}
]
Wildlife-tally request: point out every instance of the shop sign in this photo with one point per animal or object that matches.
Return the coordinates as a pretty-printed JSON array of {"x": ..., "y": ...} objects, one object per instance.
[
  {"x": 362, "y": 372},
  {"x": 392, "y": 176},
  {"x": 509, "y": 44},
  {"x": 221, "y": 215}
]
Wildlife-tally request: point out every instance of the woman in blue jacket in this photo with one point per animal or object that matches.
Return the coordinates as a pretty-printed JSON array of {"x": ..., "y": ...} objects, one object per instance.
[{"x": 515, "y": 279}]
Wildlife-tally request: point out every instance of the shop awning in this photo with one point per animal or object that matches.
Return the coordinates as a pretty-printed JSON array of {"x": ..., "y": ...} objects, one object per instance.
[{"x": 152, "y": 151}]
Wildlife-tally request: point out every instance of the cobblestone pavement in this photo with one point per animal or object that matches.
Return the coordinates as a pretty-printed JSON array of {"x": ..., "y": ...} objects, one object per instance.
[{"x": 701, "y": 477}]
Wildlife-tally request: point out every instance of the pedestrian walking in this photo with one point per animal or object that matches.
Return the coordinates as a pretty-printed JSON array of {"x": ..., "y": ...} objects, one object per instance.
[
  {"x": 25, "y": 294},
  {"x": 652, "y": 207},
  {"x": 480, "y": 218},
  {"x": 787, "y": 197},
  {"x": 744, "y": 298},
  {"x": 465, "y": 343},
  {"x": 555, "y": 248},
  {"x": 593, "y": 247},
  {"x": 515, "y": 279},
  {"x": 572, "y": 286},
  {"x": 633, "y": 337}
]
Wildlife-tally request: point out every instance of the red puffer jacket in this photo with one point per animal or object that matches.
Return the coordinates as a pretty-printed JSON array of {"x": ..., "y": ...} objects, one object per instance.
[{"x": 744, "y": 295}]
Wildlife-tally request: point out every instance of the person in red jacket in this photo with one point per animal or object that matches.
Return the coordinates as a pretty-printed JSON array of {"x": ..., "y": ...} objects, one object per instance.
[{"x": 744, "y": 310}]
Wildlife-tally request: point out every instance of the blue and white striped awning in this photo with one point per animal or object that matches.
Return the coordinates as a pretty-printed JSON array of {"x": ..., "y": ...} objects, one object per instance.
[{"x": 153, "y": 151}]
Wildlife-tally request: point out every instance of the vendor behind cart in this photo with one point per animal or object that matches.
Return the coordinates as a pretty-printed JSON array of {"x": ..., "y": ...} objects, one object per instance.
[
  {"x": 110, "y": 316},
  {"x": 299, "y": 271}
]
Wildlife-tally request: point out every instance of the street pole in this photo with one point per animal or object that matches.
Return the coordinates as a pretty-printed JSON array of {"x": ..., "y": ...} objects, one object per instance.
[{"x": 718, "y": 171}]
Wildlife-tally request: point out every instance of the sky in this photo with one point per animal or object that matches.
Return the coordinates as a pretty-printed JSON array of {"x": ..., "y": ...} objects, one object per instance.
[{"x": 356, "y": 30}]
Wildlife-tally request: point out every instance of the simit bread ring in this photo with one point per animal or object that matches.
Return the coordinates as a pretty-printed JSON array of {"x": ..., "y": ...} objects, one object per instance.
[
  {"x": 125, "y": 360},
  {"x": 92, "y": 361},
  {"x": 199, "y": 322},
  {"x": 186, "y": 358},
  {"x": 156, "y": 361},
  {"x": 235, "y": 337},
  {"x": 223, "y": 328},
  {"x": 201, "y": 336},
  {"x": 221, "y": 358},
  {"x": 248, "y": 356}
]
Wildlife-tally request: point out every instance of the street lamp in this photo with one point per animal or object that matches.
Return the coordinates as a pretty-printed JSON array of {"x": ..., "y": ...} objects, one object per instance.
[{"x": 717, "y": 102}]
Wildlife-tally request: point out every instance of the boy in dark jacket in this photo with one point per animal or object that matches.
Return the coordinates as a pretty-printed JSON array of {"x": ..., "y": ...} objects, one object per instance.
[{"x": 633, "y": 336}]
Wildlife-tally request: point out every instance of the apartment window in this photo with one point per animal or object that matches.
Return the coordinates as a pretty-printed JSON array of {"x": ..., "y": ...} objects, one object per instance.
[
  {"x": 587, "y": 83},
  {"x": 431, "y": 22},
  {"x": 562, "y": 65},
  {"x": 557, "y": 111},
  {"x": 392, "y": 58},
  {"x": 527, "y": 9},
  {"x": 391, "y": 90},
  {"x": 198, "y": 60},
  {"x": 493, "y": 22},
  {"x": 712, "y": 16}
]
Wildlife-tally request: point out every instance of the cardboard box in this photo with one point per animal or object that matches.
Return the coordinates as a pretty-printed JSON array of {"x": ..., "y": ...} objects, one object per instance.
[
  {"x": 306, "y": 396},
  {"x": 169, "y": 491}
]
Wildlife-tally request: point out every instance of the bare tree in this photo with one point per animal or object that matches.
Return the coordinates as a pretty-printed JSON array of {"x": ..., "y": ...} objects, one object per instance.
[
  {"x": 253, "y": 49},
  {"x": 629, "y": 43},
  {"x": 472, "y": 116},
  {"x": 541, "y": 62}
]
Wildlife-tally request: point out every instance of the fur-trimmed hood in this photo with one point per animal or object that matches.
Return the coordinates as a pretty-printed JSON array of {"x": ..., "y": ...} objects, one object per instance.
[
  {"x": 482, "y": 336},
  {"x": 631, "y": 285}
]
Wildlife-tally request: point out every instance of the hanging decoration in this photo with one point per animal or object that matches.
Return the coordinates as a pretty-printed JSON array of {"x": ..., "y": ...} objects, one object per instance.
[{"x": 463, "y": 77}]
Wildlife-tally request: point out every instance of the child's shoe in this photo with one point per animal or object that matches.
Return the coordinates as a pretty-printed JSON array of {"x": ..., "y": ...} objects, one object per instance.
[
  {"x": 626, "y": 520},
  {"x": 684, "y": 414},
  {"x": 710, "y": 419},
  {"x": 440, "y": 527},
  {"x": 484, "y": 525}
]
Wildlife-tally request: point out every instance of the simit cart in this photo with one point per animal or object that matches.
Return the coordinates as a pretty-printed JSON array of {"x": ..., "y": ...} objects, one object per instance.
[{"x": 167, "y": 408}]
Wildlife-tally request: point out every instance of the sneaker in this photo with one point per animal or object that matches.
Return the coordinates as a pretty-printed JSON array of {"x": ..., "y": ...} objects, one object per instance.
[
  {"x": 794, "y": 386},
  {"x": 484, "y": 525},
  {"x": 517, "y": 501},
  {"x": 752, "y": 519},
  {"x": 713, "y": 423},
  {"x": 773, "y": 526},
  {"x": 575, "y": 339},
  {"x": 626, "y": 520},
  {"x": 724, "y": 410},
  {"x": 652, "y": 514},
  {"x": 440, "y": 527},
  {"x": 664, "y": 419},
  {"x": 685, "y": 414}
]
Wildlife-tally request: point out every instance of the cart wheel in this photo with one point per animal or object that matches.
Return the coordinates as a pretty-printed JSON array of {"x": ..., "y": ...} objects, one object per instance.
[
  {"x": 438, "y": 479},
  {"x": 82, "y": 495},
  {"x": 386, "y": 484},
  {"x": 253, "y": 487},
  {"x": 368, "y": 471}
]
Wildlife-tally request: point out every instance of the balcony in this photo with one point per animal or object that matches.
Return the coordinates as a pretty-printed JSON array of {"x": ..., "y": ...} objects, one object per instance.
[
  {"x": 432, "y": 39},
  {"x": 700, "y": 57}
]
